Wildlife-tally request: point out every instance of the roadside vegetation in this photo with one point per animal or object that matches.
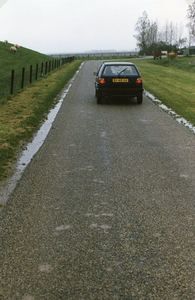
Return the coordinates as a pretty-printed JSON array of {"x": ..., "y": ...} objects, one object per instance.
[
  {"x": 22, "y": 115},
  {"x": 172, "y": 82}
]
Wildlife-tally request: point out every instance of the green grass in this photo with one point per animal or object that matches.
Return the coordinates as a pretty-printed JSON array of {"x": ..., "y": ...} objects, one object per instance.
[
  {"x": 10, "y": 61},
  {"x": 21, "y": 116},
  {"x": 180, "y": 63},
  {"x": 172, "y": 82}
]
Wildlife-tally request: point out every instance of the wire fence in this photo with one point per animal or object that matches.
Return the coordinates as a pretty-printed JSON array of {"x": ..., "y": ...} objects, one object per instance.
[{"x": 21, "y": 78}]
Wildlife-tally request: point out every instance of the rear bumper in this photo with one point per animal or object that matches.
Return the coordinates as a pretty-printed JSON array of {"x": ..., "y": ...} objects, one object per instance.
[{"x": 121, "y": 92}]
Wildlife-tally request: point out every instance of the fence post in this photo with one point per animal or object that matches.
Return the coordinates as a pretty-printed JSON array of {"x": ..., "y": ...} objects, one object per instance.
[
  {"x": 12, "y": 82},
  {"x": 41, "y": 69},
  {"x": 49, "y": 66},
  {"x": 22, "y": 83},
  {"x": 30, "y": 73},
  {"x": 36, "y": 74},
  {"x": 46, "y": 67}
]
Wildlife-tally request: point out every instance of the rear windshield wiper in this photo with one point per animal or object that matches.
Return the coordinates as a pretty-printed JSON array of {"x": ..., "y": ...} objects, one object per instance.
[{"x": 122, "y": 71}]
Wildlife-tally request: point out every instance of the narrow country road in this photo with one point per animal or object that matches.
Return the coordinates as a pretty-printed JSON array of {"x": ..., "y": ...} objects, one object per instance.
[{"x": 106, "y": 208}]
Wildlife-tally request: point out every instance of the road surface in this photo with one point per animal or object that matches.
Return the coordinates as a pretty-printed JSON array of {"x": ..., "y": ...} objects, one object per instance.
[{"x": 106, "y": 208}]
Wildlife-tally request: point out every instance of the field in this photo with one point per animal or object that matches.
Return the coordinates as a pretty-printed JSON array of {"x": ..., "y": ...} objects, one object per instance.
[
  {"x": 10, "y": 61},
  {"x": 172, "y": 82}
]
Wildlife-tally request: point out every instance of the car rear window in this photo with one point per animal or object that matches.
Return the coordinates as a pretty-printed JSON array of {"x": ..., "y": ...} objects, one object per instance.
[{"x": 120, "y": 70}]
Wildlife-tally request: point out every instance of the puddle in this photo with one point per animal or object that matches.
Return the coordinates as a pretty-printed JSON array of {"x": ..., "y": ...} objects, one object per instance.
[
  {"x": 46, "y": 268},
  {"x": 63, "y": 227},
  {"x": 28, "y": 297},
  {"x": 34, "y": 146}
]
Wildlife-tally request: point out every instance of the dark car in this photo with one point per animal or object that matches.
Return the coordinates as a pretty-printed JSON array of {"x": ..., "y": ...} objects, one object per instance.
[{"x": 116, "y": 79}]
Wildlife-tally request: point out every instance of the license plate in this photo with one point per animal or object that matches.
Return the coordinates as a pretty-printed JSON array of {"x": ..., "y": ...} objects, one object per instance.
[{"x": 120, "y": 80}]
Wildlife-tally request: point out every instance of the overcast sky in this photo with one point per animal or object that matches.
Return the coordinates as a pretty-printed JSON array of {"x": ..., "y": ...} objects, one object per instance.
[{"x": 69, "y": 26}]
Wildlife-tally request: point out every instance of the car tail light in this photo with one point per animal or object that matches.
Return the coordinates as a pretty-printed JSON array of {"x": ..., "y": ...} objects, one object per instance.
[
  {"x": 139, "y": 80},
  {"x": 102, "y": 80}
]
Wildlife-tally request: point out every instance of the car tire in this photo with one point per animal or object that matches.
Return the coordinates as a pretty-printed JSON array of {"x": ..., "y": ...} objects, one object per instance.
[
  {"x": 99, "y": 98},
  {"x": 139, "y": 99}
]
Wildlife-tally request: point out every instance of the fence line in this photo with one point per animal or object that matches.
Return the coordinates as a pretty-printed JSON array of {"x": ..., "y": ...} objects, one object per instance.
[{"x": 46, "y": 67}]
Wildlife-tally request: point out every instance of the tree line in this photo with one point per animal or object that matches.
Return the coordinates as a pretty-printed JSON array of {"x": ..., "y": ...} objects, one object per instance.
[{"x": 149, "y": 37}]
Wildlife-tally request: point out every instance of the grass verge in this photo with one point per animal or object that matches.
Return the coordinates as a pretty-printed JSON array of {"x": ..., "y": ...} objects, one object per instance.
[
  {"x": 21, "y": 116},
  {"x": 172, "y": 82},
  {"x": 10, "y": 61}
]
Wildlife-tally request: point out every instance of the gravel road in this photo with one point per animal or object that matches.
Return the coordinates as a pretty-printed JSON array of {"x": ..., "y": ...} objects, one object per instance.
[{"x": 106, "y": 208}]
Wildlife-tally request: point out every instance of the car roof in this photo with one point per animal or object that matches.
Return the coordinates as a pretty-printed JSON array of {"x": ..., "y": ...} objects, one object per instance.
[{"x": 118, "y": 63}]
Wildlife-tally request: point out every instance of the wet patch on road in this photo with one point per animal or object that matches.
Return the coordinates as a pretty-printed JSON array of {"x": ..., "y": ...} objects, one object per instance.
[
  {"x": 28, "y": 297},
  {"x": 63, "y": 227},
  {"x": 46, "y": 268}
]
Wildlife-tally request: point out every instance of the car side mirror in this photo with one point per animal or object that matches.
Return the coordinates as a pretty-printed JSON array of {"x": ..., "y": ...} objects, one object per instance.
[{"x": 95, "y": 73}]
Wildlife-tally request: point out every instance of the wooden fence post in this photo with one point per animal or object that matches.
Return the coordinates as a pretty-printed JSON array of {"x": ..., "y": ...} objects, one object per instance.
[
  {"x": 41, "y": 69},
  {"x": 30, "y": 74},
  {"x": 23, "y": 73},
  {"x": 12, "y": 82},
  {"x": 36, "y": 74},
  {"x": 46, "y": 67}
]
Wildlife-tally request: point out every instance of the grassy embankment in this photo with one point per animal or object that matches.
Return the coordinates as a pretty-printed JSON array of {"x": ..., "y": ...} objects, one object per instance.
[
  {"x": 22, "y": 114},
  {"x": 172, "y": 82},
  {"x": 10, "y": 61}
]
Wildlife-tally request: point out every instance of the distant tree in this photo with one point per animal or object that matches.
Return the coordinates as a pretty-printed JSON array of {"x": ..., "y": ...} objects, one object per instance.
[
  {"x": 181, "y": 41},
  {"x": 169, "y": 33},
  {"x": 166, "y": 33},
  {"x": 142, "y": 27},
  {"x": 172, "y": 34},
  {"x": 191, "y": 23},
  {"x": 162, "y": 46},
  {"x": 149, "y": 38},
  {"x": 152, "y": 36}
]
